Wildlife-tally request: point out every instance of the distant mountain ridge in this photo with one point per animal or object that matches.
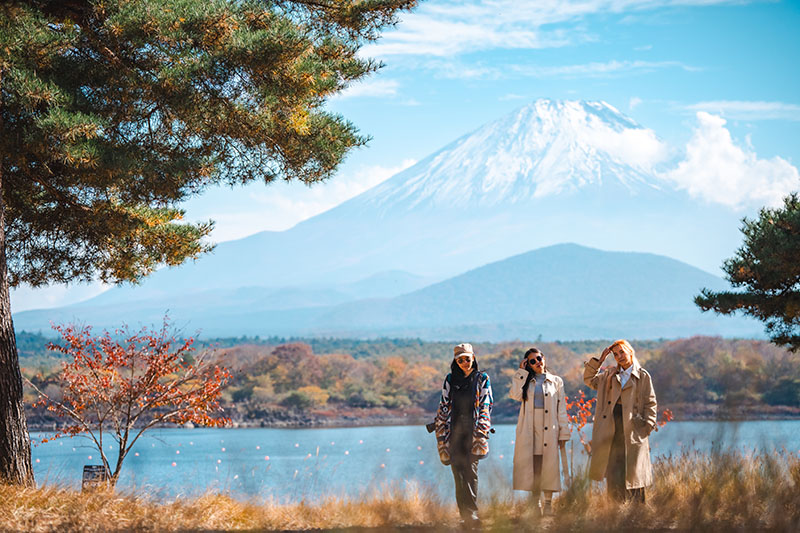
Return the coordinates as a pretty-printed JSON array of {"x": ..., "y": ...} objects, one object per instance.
[
  {"x": 561, "y": 292},
  {"x": 548, "y": 173}
]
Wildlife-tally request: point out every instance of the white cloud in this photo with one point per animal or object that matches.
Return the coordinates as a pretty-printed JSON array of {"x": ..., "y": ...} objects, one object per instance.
[
  {"x": 750, "y": 110},
  {"x": 371, "y": 88},
  {"x": 718, "y": 170},
  {"x": 635, "y": 146},
  {"x": 598, "y": 69},
  {"x": 446, "y": 29},
  {"x": 639, "y": 147},
  {"x": 512, "y": 96},
  {"x": 634, "y": 103},
  {"x": 283, "y": 205},
  {"x": 459, "y": 70},
  {"x": 453, "y": 69}
]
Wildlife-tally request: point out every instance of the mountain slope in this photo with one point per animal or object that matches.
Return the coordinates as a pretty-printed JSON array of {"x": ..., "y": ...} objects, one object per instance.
[
  {"x": 559, "y": 292},
  {"x": 550, "y": 172},
  {"x": 547, "y": 173}
]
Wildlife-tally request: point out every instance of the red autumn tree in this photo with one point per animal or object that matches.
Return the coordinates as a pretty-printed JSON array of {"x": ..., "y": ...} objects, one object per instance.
[
  {"x": 579, "y": 411},
  {"x": 125, "y": 384},
  {"x": 666, "y": 416}
]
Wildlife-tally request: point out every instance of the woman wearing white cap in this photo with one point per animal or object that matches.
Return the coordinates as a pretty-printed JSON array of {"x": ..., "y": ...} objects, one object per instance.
[
  {"x": 463, "y": 423},
  {"x": 542, "y": 428}
]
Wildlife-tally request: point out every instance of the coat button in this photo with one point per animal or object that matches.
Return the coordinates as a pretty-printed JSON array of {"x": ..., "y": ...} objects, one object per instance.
[
  {"x": 604, "y": 416},
  {"x": 545, "y": 428},
  {"x": 545, "y": 444},
  {"x": 546, "y": 394},
  {"x": 546, "y": 411},
  {"x": 609, "y": 403}
]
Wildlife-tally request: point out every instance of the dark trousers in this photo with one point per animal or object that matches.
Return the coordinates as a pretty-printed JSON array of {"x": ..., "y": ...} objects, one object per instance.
[
  {"x": 537, "y": 475},
  {"x": 465, "y": 470},
  {"x": 616, "y": 470}
]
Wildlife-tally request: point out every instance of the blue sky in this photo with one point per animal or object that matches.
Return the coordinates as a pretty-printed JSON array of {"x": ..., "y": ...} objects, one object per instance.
[{"x": 717, "y": 81}]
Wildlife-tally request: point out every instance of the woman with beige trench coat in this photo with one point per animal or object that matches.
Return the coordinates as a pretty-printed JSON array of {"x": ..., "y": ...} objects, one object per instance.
[
  {"x": 542, "y": 428},
  {"x": 624, "y": 416}
]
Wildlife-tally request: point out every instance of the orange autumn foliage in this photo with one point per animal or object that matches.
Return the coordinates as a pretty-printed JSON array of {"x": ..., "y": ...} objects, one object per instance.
[
  {"x": 579, "y": 411},
  {"x": 125, "y": 384}
]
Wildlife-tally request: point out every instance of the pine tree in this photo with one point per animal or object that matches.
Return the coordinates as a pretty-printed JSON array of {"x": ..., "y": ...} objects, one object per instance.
[
  {"x": 767, "y": 268},
  {"x": 112, "y": 112}
]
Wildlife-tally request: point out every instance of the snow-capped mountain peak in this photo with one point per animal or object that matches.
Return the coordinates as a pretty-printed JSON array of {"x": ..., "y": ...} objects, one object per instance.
[{"x": 545, "y": 148}]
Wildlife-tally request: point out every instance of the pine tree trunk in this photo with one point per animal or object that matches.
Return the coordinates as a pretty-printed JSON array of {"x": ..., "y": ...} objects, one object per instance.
[{"x": 15, "y": 444}]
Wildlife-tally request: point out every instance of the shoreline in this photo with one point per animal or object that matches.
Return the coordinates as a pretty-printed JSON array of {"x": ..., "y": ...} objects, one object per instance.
[{"x": 349, "y": 422}]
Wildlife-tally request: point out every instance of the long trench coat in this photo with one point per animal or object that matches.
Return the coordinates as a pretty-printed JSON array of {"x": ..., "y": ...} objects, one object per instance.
[
  {"x": 639, "y": 409},
  {"x": 556, "y": 428}
]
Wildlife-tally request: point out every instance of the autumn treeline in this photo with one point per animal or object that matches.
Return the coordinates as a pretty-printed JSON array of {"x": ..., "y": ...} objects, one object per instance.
[{"x": 698, "y": 377}]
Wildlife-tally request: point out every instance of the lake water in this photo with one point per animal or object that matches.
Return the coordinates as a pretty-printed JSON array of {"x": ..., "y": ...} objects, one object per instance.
[{"x": 289, "y": 465}]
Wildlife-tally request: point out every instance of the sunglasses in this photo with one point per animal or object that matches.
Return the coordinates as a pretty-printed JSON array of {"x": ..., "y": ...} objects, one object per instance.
[
  {"x": 463, "y": 359},
  {"x": 534, "y": 360}
]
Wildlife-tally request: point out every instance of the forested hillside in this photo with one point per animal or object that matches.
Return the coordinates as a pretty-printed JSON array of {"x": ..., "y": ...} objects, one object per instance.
[{"x": 330, "y": 381}]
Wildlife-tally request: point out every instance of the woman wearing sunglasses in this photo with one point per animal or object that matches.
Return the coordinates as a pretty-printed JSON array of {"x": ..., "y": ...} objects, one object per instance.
[
  {"x": 624, "y": 416},
  {"x": 463, "y": 423},
  {"x": 542, "y": 428}
]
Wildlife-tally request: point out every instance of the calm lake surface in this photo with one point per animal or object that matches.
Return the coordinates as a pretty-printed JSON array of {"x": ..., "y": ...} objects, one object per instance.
[{"x": 288, "y": 465}]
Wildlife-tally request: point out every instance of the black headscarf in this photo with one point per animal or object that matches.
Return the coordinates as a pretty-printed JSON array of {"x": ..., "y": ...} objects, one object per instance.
[
  {"x": 457, "y": 378},
  {"x": 460, "y": 385}
]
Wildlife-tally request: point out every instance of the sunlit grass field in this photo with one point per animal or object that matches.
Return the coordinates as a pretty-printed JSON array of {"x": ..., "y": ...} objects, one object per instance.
[{"x": 724, "y": 491}]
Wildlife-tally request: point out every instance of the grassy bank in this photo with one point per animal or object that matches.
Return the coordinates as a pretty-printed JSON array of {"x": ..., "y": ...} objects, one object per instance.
[{"x": 718, "y": 492}]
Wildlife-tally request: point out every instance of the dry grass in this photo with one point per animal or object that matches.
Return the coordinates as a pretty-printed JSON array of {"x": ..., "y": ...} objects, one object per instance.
[
  {"x": 58, "y": 509},
  {"x": 699, "y": 492},
  {"x": 719, "y": 492}
]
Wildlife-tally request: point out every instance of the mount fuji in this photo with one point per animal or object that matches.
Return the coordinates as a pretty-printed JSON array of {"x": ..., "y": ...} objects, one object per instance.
[{"x": 548, "y": 173}]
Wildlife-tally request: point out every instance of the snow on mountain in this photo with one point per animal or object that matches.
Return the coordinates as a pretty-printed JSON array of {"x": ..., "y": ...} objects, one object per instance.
[{"x": 543, "y": 149}]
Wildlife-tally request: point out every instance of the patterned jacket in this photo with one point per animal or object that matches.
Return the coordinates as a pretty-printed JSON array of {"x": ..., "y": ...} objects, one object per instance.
[{"x": 482, "y": 417}]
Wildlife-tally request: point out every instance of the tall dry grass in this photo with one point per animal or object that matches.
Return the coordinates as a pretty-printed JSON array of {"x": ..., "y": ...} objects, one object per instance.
[
  {"x": 56, "y": 509},
  {"x": 699, "y": 492},
  {"x": 720, "y": 491}
]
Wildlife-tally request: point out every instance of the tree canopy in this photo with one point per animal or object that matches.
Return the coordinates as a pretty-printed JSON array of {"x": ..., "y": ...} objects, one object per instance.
[
  {"x": 767, "y": 270},
  {"x": 113, "y": 112}
]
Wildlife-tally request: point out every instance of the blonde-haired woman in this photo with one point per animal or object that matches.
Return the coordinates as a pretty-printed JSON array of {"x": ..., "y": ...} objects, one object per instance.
[
  {"x": 624, "y": 416},
  {"x": 542, "y": 428}
]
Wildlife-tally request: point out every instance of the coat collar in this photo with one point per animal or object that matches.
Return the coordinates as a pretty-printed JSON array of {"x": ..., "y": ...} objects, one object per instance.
[{"x": 636, "y": 367}]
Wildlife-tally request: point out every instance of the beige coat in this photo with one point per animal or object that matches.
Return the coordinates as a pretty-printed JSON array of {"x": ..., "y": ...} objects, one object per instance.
[
  {"x": 556, "y": 427},
  {"x": 638, "y": 420}
]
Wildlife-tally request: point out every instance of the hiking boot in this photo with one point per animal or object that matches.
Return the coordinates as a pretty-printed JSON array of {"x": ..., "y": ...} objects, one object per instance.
[{"x": 470, "y": 522}]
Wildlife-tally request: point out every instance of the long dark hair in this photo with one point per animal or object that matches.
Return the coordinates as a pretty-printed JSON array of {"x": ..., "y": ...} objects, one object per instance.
[{"x": 531, "y": 371}]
